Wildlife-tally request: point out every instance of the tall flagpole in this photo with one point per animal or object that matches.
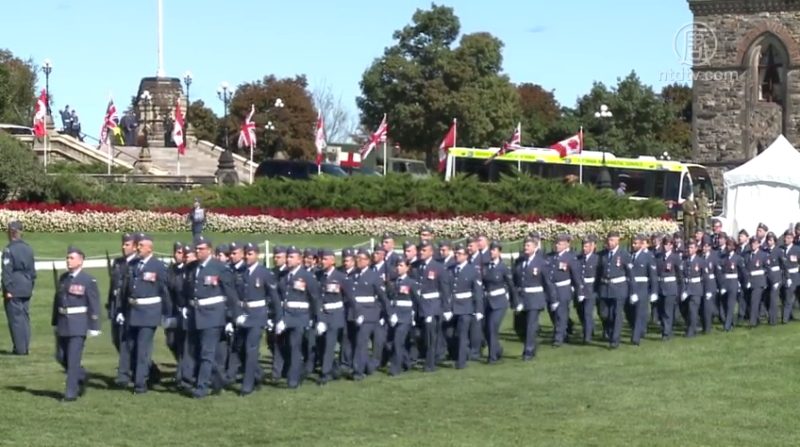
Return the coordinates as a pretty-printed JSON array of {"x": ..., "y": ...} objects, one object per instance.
[
  {"x": 455, "y": 144},
  {"x": 580, "y": 166},
  {"x": 179, "y": 160},
  {"x": 160, "y": 73},
  {"x": 385, "y": 161},
  {"x": 108, "y": 138},
  {"x": 46, "y": 143},
  {"x": 251, "y": 161}
]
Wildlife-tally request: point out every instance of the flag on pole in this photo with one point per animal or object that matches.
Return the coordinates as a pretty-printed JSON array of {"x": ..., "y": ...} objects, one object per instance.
[
  {"x": 511, "y": 145},
  {"x": 109, "y": 123},
  {"x": 177, "y": 131},
  {"x": 377, "y": 137},
  {"x": 570, "y": 146},
  {"x": 40, "y": 112},
  {"x": 247, "y": 134},
  {"x": 444, "y": 147},
  {"x": 319, "y": 138}
]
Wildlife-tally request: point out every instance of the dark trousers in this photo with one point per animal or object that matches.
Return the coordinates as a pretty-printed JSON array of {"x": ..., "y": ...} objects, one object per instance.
[
  {"x": 666, "y": 314},
  {"x": 560, "y": 319},
  {"x": 755, "y": 295},
  {"x": 141, "y": 339},
  {"x": 772, "y": 305},
  {"x": 689, "y": 310},
  {"x": 399, "y": 358},
  {"x": 530, "y": 332},
  {"x": 174, "y": 340},
  {"x": 221, "y": 356},
  {"x": 741, "y": 298},
  {"x": 251, "y": 341},
  {"x": 347, "y": 342},
  {"x": 720, "y": 307},
  {"x": 209, "y": 373},
  {"x": 707, "y": 312},
  {"x": 444, "y": 340},
  {"x": 605, "y": 317},
  {"x": 116, "y": 333},
  {"x": 309, "y": 350},
  {"x": 729, "y": 305},
  {"x": 788, "y": 303},
  {"x": 639, "y": 314},
  {"x": 585, "y": 310},
  {"x": 494, "y": 319},
  {"x": 188, "y": 362},
  {"x": 238, "y": 351},
  {"x": 430, "y": 335},
  {"x": 614, "y": 310},
  {"x": 475, "y": 339},
  {"x": 19, "y": 323},
  {"x": 462, "y": 339},
  {"x": 379, "y": 344},
  {"x": 294, "y": 341},
  {"x": 126, "y": 362},
  {"x": 326, "y": 344},
  {"x": 277, "y": 347},
  {"x": 68, "y": 354},
  {"x": 362, "y": 361}
]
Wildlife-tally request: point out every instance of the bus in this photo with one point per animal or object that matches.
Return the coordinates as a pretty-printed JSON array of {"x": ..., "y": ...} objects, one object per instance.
[{"x": 645, "y": 176}]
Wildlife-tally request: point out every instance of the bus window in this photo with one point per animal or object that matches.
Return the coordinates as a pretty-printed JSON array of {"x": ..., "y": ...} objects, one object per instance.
[
  {"x": 672, "y": 183},
  {"x": 702, "y": 181},
  {"x": 639, "y": 183},
  {"x": 686, "y": 186}
]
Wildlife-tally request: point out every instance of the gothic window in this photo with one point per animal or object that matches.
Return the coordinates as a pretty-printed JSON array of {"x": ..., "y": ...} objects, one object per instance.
[{"x": 771, "y": 69}]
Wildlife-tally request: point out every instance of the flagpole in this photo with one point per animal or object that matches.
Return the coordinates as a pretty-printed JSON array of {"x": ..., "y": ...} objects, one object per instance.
[
  {"x": 455, "y": 144},
  {"x": 580, "y": 166},
  {"x": 179, "y": 161},
  {"x": 108, "y": 138},
  {"x": 46, "y": 142},
  {"x": 385, "y": 161},
  {"x": 251, "y": 164}
]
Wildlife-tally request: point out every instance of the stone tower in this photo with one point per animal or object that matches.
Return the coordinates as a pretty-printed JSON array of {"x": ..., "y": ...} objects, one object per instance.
[{"x": 745, "y": 76}]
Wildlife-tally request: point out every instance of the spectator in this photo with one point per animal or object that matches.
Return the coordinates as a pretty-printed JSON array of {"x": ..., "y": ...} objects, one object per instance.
[
  {"x": 621, "y": 189},
  {"x": 76, "y": 126},
  {"x": 66, "y": 119}
]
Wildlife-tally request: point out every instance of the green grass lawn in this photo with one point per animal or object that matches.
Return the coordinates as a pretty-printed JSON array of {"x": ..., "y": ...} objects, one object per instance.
[{"x": 724, "y": 389}]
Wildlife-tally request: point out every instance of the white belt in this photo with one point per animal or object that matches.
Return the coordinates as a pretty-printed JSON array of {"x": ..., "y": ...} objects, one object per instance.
[
  {"x": 668, "y": 279},
  {"x": 431, "y": 295},
  {"x": 775, "y": 268},
  {"x": 333, "y": 306},
  {"x": 254, "y": 304},
  {"x": 640, "y": 278},
  {"x": 463, "y": 295},
  {"x": 617, "y": 280},
  {"x": 209, "y": 301},
  {"x": 757, "y": 273},
  {"x": 296, "y": 304},
  {"x": 563, "y": 283},
  {"x": 533, "y": 289},
  {"x": 712, "y": 277},
  {"x": 73, "y": 310},
  {"x": 731, "y": 276},
  {"x": 794, "y": 270},
  {"x": 365, "y": 299},
  {"x": 695, "y": 280},
  {"x": 589, "y": 280},
  {"x": 497, "y": 292},
  {"x": 145, "y": 301},
  {"x": 403, "y": 303}
]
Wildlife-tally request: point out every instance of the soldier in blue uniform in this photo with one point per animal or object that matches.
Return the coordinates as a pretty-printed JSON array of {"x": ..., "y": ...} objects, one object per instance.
[
  {"x": 498, "y": 283},
  {"x": 534, "y": 287},
  {"x": 694, "y": 289},
  {"x": 387, "y": 242},
  {"x": 175, "y": 335},
  {"x": 197, "y": 219},
  {"x": 585, "y": 302},
  {"x": 434, "y": 303},
  {"x": 711, "y": 284},
  {"x": 146, "y": 306},
  {"x": 446, "y": 254},
  {"x": 275, "y": 342},
  {"x": 669, "y": 268},
  {"x": 743, "y": 250},
  {"x": 76, "y": 315},
  {"x": 761, "y": 234},
  {"x": 258, "y": 291},
  {"x": 403, "y": 293},
  {"x": 118, "y": 286},
  {"x": 466, "y": 304},
  {"x": 643, "y": 288},
  {"x": 614, "y": 274},
  {"x": 791, "y": 259},
  {"x": 476, "y": 339},
  {"x": 347, "y": 340},
  {"x": 776, "y": 276},
  {"x": 369, "y": 305},
  {"x": 568, "y": 283},
  {"x": 18, "y": 278},
  {"x": 237, "y": 349},
  {"x": 380, "y": 348},
  {"x": 733, "y": 275},
  {"x": 756, "y": 261},
  {"x": 335, "y": 291}
]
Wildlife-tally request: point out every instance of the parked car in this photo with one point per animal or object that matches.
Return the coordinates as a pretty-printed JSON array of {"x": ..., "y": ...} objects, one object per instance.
[
  {"x": 362, "y": 170},
  {"x": 13, "y": 129},
  {"x": 416, "y": 168},
  {"x": 296, "y": 169}
]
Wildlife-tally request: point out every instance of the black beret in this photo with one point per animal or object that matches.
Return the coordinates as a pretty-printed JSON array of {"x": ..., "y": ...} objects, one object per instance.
[
  {"x": 223, "y": 248},
  {"x": 407, "y": 245},
  {"x": 236, "y": 246},
  {"x": 387, "y": 237},
  {"x": 327, "y": 252},
  {"x": 15, "y": 225},
  {"x": 640, "y": 237},
  {"x": 471, "y": 240},
  {"x": 348, "y": 252},
  {"x": 188, "y": 248},
  {"x": 379, "y": 247},
  {"x": 363, "y": 252},
  {"x": 202, "y": 240},
  {"x": 279, "y": 250},
  {"x": 459, "y": 247},
  {"x": 754, "y": 240},
  {"x": 590, "y": 238},
  {"x": 535, "y": 235},
  {"x": 177, "y": 246},
  {"x": 788, "y": 233},
  {"x": 744, "y": 232},
  {"x": 762, "y": 226},
  {"x": 563, "y": 237},
  {"x": 127, "y": 237},
  {"x": 722, "y": 235},
  {"x": 423, "y": 244},
  {"x": 495, "y": 245},
  {"x": 292, "y": 250},
  {"x": 144, "y": 237},
  {"x": 691, "y": 242},
  {"x": 425, "y": 229},
  {"x": 445, "y": 243},
  {"x": 532, "y": 239},
  {"x": 250, "y": 247},
  {"x": 309, "y": 252},
  {"x": 72, "y": 249}
]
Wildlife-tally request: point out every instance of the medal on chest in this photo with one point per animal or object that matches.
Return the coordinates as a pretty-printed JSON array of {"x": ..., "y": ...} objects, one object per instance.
[
  {"x": 258, "y": 283},
  {"x": 405, "y": 290},
  {"x": 212, "y": 280},
  {"x": 332, "y": 287},
  {"x": 76, "y": 289},
  {"x": 618, "y": 261},
  {"x": 299, "y": 284},
  {"x": 149, "y": 276},
  {"x": 562, "y": 266},
  {"x": 431, "y": 275}
]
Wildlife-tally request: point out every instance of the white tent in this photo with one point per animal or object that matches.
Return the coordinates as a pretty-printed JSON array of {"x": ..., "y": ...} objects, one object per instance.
[{"x": 765, "y": 189}]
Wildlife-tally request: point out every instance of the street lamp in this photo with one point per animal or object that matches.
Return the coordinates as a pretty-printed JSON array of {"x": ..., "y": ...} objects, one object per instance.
[
  {"x": 665, "y": 156},
  {"x": 225, "y": 94},
  {"x": 47, "y": 68},
  {"x": 187, "y": 79},
  {"x": 604, "y": 115},
  {"x": 147, "y": 100}
]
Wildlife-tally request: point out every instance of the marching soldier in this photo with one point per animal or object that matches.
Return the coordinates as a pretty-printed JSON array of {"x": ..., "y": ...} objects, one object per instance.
[
  {"x": 568, "y": 283},
  {"x": 615, "y": 275},
  {"x": 585, "y": 303},
  {"x": 434, "y": 303},
  {"x": 275, "y": 342},
  {"x": 693, "y": 291},
  {"x": 743, "y": 250},
  {"x": 776, "y": 276},
  {"x": 756, "y": 267},
  {"x": 387, "y": 242},
  {"x": 669, "y": 266},
  {"x": 118, "y": 285},
  {"x": 237, "y": 351},
  {"x": 761, "y": 234},
  {"x": 532, "y": 279},
  {"x": 466, "y": 304},
  {"x": 643, "y": 288},
  {"x": 175, "y": 335},
  {"x": 498, "y": 282},
  {"x": 18, "y": 278},
  {"x": 348, "y": 338},
  {"x": 792, "y": 270},
  {"x": 410, "y": 253},
  {"x": 732, "y": 276},
  {"x": 404, "y": 297},
  {"x": 711, "y": 277},
  {"x": 310, "y": 260},
  {"x": 380, "y": 353},
  {"x": 336, "y": 290},
  {"x": 479, "y": 257},
  {"x": 369, "y": 303},
  {"x": 446, "y": 254},
  {"x": 76, "y": 315}
]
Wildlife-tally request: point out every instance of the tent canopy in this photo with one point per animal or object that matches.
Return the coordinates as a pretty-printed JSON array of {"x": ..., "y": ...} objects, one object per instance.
[{"x": 779, "y": 163}]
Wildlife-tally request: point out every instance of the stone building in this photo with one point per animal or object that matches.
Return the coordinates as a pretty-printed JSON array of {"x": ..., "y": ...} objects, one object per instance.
[{"x": 746, "y": 78}]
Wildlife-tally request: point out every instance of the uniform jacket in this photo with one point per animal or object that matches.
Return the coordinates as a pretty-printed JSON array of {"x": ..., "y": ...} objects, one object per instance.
[
  {"x": 19, "y": 272},
  {"x": 404, "y": 298},
  {"x": 369, "y": 297},
  {"x": 532, "y": 279},
  {"x": 588, "y": 268},
  {"x": 566, "y": 276},
  {"x": 498, "y": 282},
  {"x": 212, "y": 293},
  {"x": 336, "y": 292},
  {"x": 175, "y": 280},
  {"x": 791, "y": 262},
  {"x": 614, "y": 273},
  {"x": 669, "y": 268},
  {"x": 76, "y": 305},
  {"x": 258, "y": 293},
  {"x": 693, "y": 273},
  {"x": 775, "y": 267},
  {"x": 645, "y": 274},
  {"x": 756, "y": 268},
  {"x": 299, "y": 293},
  {"x": 118, "y": 284},
  {"x": 732, "y": 272},
  {"x": 148, "y": 298},
  {"x": 467, "y": 289},
  {"x": 712, "y": 274},
  {"x": 434, "y": 288}
]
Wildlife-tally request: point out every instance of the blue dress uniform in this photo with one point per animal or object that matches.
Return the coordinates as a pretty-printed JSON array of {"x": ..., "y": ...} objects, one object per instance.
[
  {"x": 534, "y": 286},
  {"x": 176, "y": 336},
  {"x": 403, "y": 293},
  {"x": 76, "y": 311},
  {"x": 276, "y": 343},
  {"x": 693, "y": 291},
  {"x": 791, "y": 262},
  {"x": 776, "y": 278},
  {"x": 466, "y": 305},
  {"x": 299, "y": 294},
  {"x": 756, "y": 268},
  {"x": 743, "y": 250},
  {"x": 669, "y": 268},
  {"x": 310, "y": 335},
  {"x": 147, "y": 304},
  {"x": 380, "y": 354},
  {"x": 586, "y": 302},
  {"x": 568, "y": 283},
  {"x": 258, "y": 292},
  {"x": 434, "y": 301},
  {"x": 18, "y": 278},
  {"x": 236, "y": 341},
  {"x": 644, "y": 285},
  {"x": 614, "y": 275},
  {"x": 498, "y": 281},
  {"x": 711, "y": 278},
  {"x": 369, "y": 305},
  {"x": 481, "y": 260},
  {"x": 336, "y": 290},
  {"x": 733, "y": 275},
  {"x": 348, "y": 340},
  {"x": 197, "y": 219},
  {"x": 117, "y": 288}
]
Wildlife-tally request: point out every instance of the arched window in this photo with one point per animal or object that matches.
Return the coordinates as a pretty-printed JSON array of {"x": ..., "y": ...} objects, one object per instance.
[{"x": 770, "y": 62}]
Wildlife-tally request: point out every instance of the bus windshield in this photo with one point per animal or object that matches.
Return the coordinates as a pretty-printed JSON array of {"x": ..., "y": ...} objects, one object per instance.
[{"x": 702, "y": 182}]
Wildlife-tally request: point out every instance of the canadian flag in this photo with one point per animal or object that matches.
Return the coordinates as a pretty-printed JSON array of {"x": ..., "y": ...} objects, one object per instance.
[
  {"x": 571, "y": 146},
  {"x": 177, "y": 131},
  {"x": 511, "y": 145},
  {"x": 108, "y": 123},
  {"x": 247, "y": 134},
  {"x": 319, "y": 138},
  {"x": 40, "y": 112},
  {"x": 448, "y": 142},
  {"x": 378, "y": 136}
]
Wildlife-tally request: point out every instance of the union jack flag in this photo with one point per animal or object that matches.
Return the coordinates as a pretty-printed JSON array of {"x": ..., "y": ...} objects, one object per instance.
[
  {"x": 379, "y": 136},
  {"x": 109, "y": 123},
  {"x": 511, "y": 145},
  {"x": 247, "y": 135}
]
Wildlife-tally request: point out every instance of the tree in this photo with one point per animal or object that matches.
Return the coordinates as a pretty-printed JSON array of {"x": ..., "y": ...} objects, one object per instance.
[
  {"x": 540, "y": 112},
  {"x": 421, "y": 83},
  {"x": 22, "y": 177},
  {"x": 294, "y": 123},
  {"x": 203, "y": 122},
  {"x": 17, "y": 89},
  {"x": 339, "y": 124}
]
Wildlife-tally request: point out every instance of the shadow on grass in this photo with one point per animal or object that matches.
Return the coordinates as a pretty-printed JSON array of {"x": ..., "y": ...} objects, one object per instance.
[{"x": 38, "y": 393}]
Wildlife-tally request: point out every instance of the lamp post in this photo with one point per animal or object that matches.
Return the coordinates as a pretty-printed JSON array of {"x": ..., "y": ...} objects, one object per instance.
[
  {"x": 604, "y": 115},
  {"x": 225, "y": 94},
  {"x": 47, "y": 68},
  {"x": 187, "y": 79}
]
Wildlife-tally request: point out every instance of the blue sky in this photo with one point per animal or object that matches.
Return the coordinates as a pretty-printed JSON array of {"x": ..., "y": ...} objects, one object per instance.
[{"x": 100, "y": 47}]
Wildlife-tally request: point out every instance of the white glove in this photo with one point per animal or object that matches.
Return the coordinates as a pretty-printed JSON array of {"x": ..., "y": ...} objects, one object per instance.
[
  {"x": 360, "y": 320},
  {"x": 634, "y": 298},
  {"x": 684, "y": 295},
  {"x": 229, "y": 329},
  {"x": 413, "y": 322},
  {"x": 554, "y": 306},
  {"x": 169, "y": 323},
  {"x": 776, "y": 285},
  {"x": 310, "y": 324},
  {"x": 270, "y": 325},
  {"x": 519, "y": 308},
  {"x": 479, "y": 316},
  {"x": 581, "y": 298},
  {"x": 653, "y": 297},
  {"x": 321, "y": 327},
  {"x": 184, "y": 313},
  {"x": 789, "y": 283},
  {"x": 120, "y": 319},
  {"x": 447, "y": 316},
  {"x": 241, "y": 319},
  {"x": 381, "y": 321},
  {"x": 92, "y": 333},
  {"x": 429, "y": 319},
  {"x": 393, "y": 320},
  {"x": 723, "y": 291},
  {"x": 280, "y": 327},
  {"x": 749, "y": 286},
  {"x": 708, "y": 296}
]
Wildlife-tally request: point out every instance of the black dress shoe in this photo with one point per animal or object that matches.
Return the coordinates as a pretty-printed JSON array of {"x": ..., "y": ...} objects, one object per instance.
[
  {"x": 69, "y": 399},
  {"x": 140, "y": 391}
]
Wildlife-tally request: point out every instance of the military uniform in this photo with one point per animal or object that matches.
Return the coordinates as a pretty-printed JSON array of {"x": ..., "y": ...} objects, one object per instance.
[
  {"x": 614, "y": 275},
  {"x": 568, "y": 284},
  {"x": 18, "y": 278},
  {"x": 585, "y": 303},
  {"x": 276, "y": 343},
  {"x": 711, "y": 278},
  {"x": 792, "y": 271},
  {"x": 175, "y": 334},
  {"x": 368, "y": 304},
  {"x": 466, "y": 304},
  {"x": 756, "y": 269},
  {"x": 693, "y": 291},
  {"x": 732, "y": 276},
  {"x": 534, "y": 287},
  {"x": 403, "y": 293},
  {"x": 498, "y": 282},
  {"x": 776, "y": 279},
  {"x": 669, "y": 268},
  {"x": 336, "y": 290},
  {"x": 197, "y": 219},
  {"x": 689, "y": 218},
  {"x": 643, "y": 289},
  {"x": 434, "y": 301}
]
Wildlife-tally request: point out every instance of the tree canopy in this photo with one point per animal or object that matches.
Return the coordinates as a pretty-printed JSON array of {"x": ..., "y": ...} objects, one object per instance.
[{"x": 17, "y": 89}]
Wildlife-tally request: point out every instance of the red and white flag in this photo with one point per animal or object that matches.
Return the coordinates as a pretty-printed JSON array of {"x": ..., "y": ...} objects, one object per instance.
[
  {"x": 109, "y": 123},
  {"x": 319, "y": 139},
  {"x": 178, "y": 130},
  {"x": 247, "y": 134},
  {"x": 448, "y": 142},
  {"x": 40, "y": 113},
  {"x": 378, "y": 136},
  {"x": 571, "y": 146},
  {"x": 511, "y": 145}
]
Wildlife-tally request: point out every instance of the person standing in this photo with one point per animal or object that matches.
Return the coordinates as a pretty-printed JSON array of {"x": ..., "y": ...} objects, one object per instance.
[
  {"x": 568, "y": 283},
  {"x": 733, "y": 275},
  {"x": 615, "y": 274},
  {"x": 404, "y": 296},
  {"x": 693, "y": 270},
  {"x": 369, "y": 303},
  {"x": 175, "y": 335},
  {"x": 18, "y": 277},
  {"x": 792, "y": 268},
  {"x": 434, "y": 303},
  {"x": 197, "y": 219},
  {"x": 534, "y": 286},
  {"x": 711, "y": 281},
  {"x": 586, "y": 302},
  {"x": 776, "y": 277},
  {"x": 498, "y": 282},
  {"x": 644, "y": 288},
  {"x": 466, "y": 304},
  {"x": 335, "y": 292},
  {"x": 756, "y": 266},
  {"x": 76, "y": 315},
  {"x": 669, "y": 267}
]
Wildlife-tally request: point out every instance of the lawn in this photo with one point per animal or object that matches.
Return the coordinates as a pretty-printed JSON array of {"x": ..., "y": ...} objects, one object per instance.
[{"x": 736, "y": 388}]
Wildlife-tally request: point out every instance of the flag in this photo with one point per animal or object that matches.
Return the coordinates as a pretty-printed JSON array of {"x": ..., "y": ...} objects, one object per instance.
[
  {"x": 40, "y": 112},
  {"x": 378, "y": 137},
  {"x": 319, "y": 138},
  {"x": 247, "y": 134},
  {"x": 444, "y": 147},
  {"x": 109, "y": 123},
  {"x": 509, "y": 146},
  {"x": 177, "y": 130},
  {"x": 571, "y": 146}
]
